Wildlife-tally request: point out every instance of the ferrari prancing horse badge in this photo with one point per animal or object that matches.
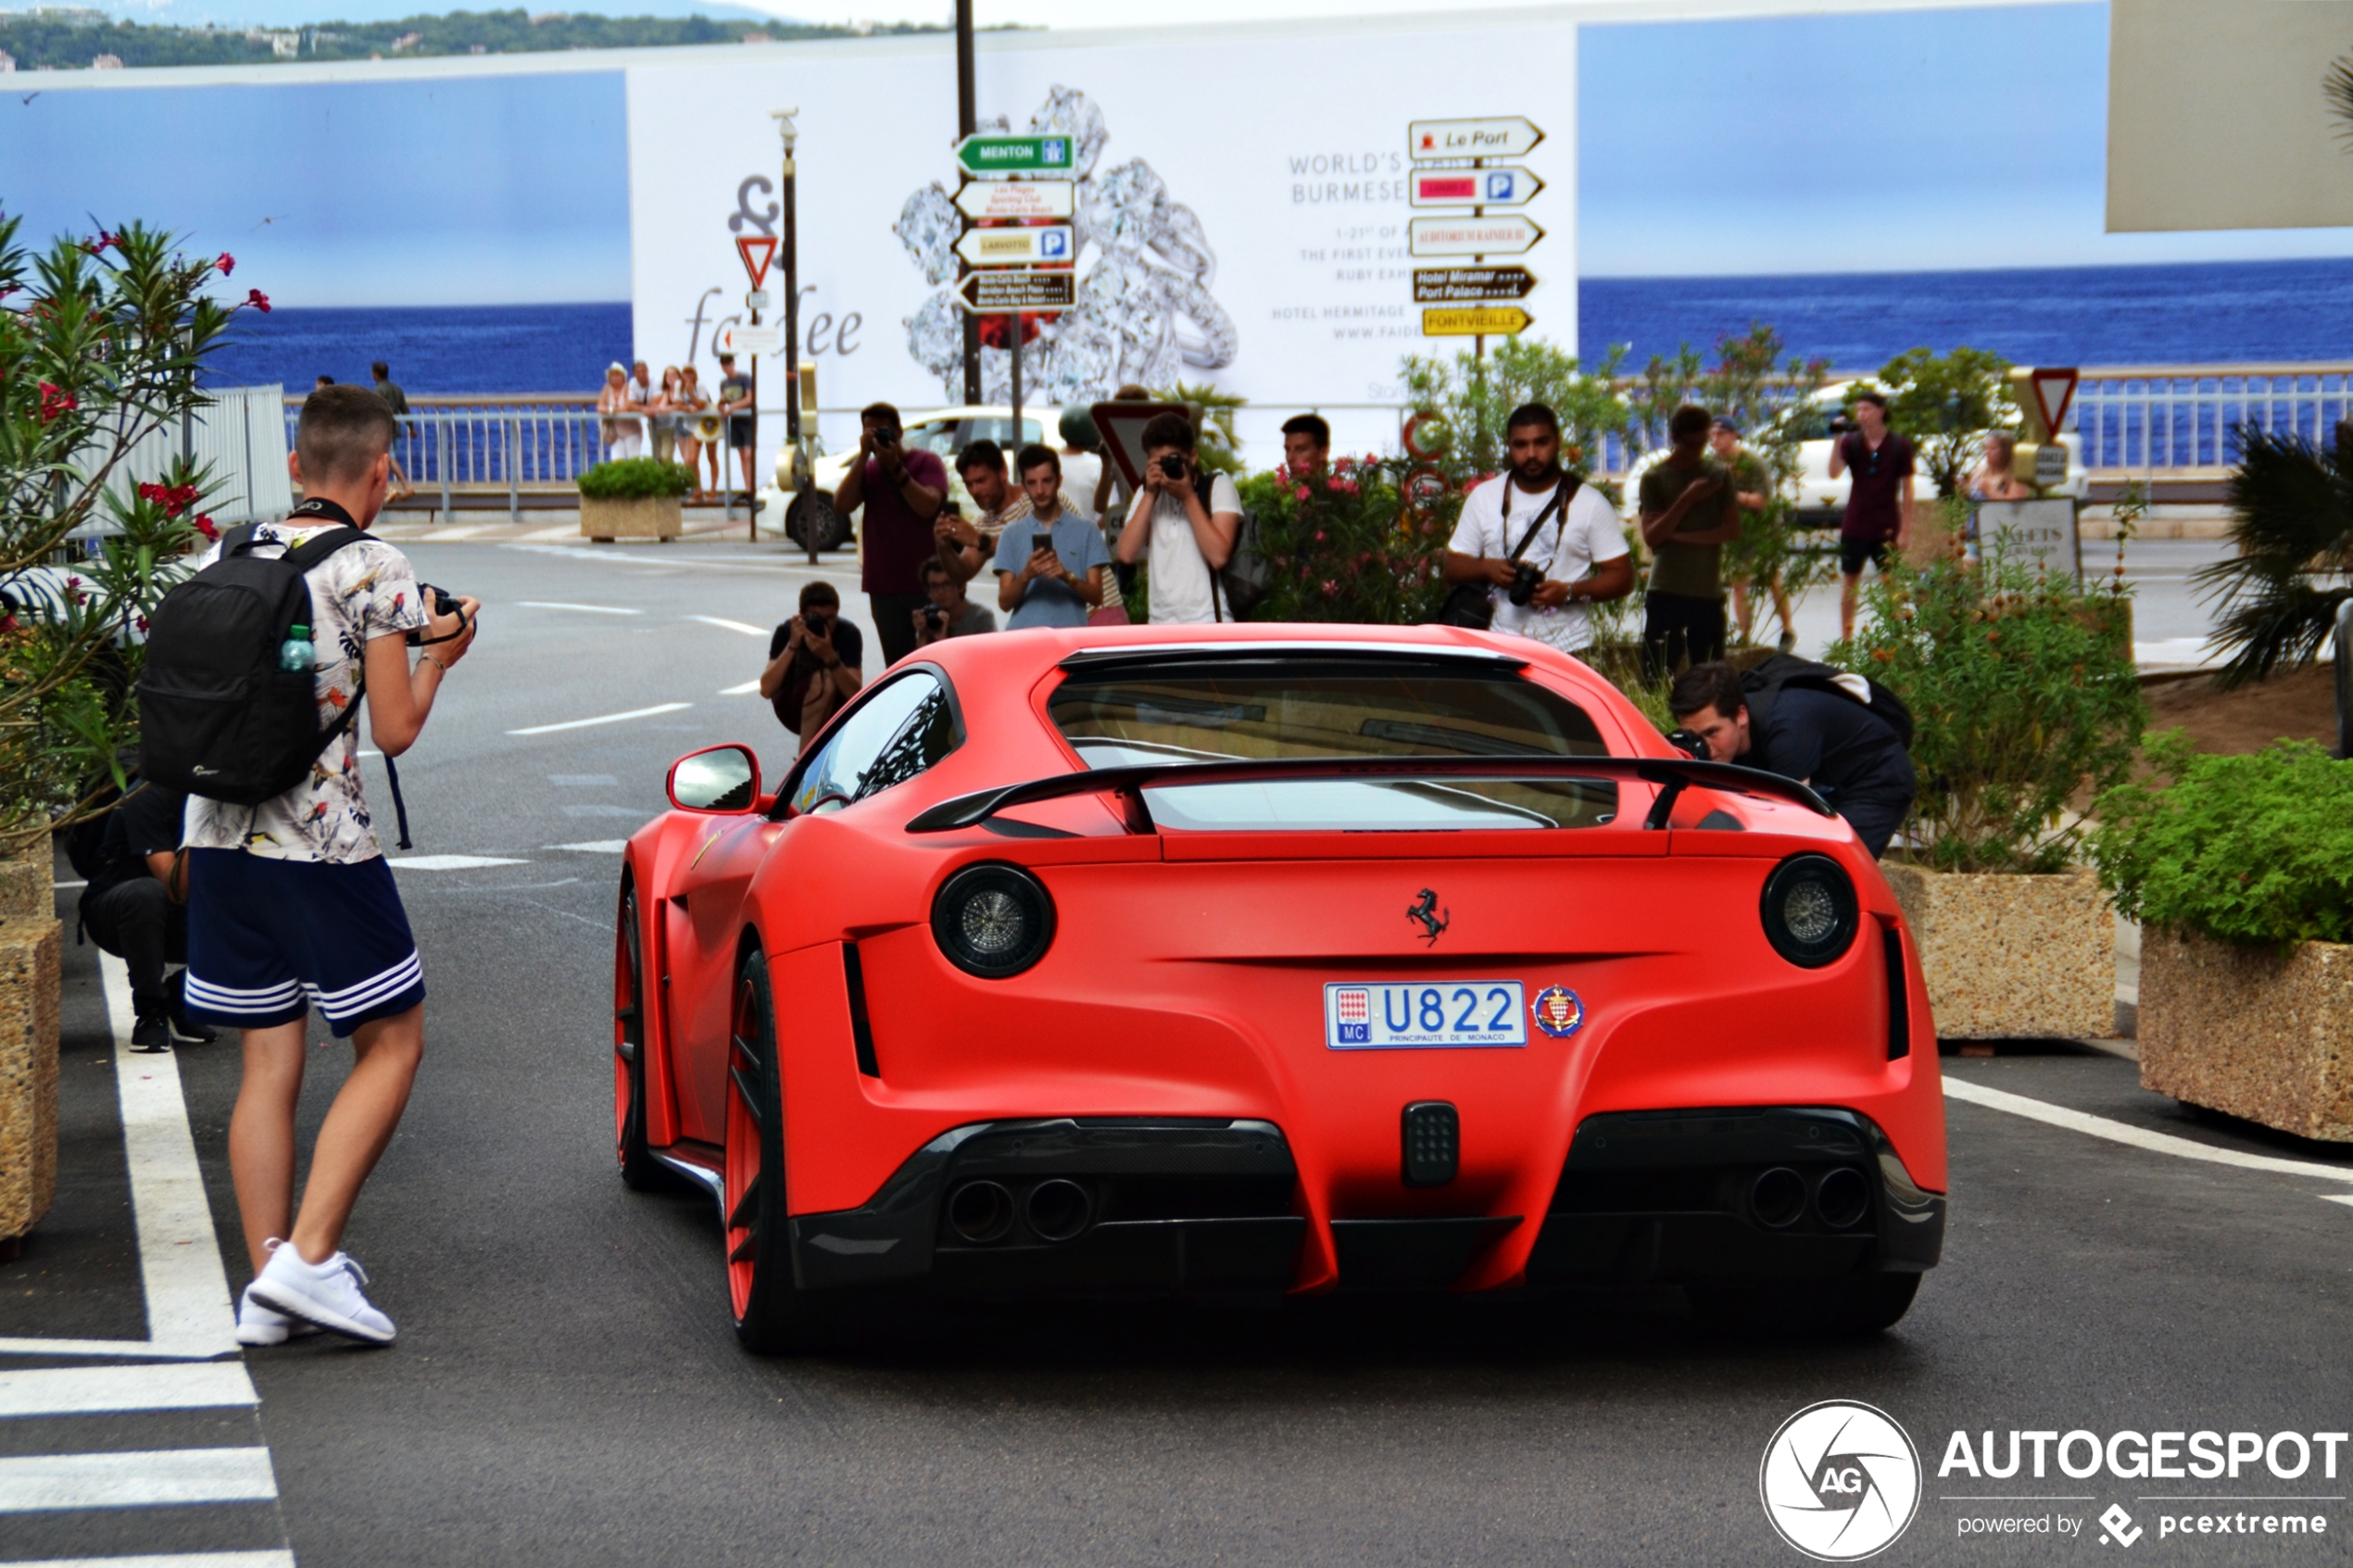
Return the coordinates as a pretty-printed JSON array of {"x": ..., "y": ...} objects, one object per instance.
[{"x": 1558, "y": 1012}]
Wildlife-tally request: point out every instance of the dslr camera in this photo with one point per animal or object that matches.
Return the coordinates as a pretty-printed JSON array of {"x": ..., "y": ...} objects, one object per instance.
[
  {"x": 1526, "y": 574},
  {"x": 442, "y": 604},
  {"x": 1172, "y": 466},
  {"x": 935, "y": 619}
]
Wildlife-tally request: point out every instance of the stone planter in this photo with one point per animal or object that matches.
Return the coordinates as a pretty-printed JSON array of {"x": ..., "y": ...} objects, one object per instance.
[
  {"x": 2008, "y": 957},
  {"x": 605, "y": 518},
  {"x": 2250, "y": 1032},
  {"x": 30, "y": 951}
]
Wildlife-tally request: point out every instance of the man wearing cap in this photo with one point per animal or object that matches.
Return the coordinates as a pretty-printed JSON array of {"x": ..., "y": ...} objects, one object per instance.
[{"x": 624, "y": 437}]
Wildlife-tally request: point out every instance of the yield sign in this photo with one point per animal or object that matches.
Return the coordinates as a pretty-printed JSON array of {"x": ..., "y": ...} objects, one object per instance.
[
  {"x": 758, "y": 251},
  {"x": 2054, "y": 390}
]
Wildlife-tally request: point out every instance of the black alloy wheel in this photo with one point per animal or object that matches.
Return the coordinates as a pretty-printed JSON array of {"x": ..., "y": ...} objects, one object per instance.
[
  {"x": 772, "y": 1316},
  {"x": 812, "y": 512},
  {"x": 639, "y": 1169}
]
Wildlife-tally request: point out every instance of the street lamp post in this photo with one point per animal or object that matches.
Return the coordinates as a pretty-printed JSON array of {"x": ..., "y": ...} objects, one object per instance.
[
  {"x": 967, "y": 122},
  {"x": 790, "y": 220}
]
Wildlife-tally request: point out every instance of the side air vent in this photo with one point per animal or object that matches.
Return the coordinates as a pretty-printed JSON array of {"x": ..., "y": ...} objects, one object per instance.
[
  {"x": 1899, "y": 995},
  {"x": 861, "y": 1034}
]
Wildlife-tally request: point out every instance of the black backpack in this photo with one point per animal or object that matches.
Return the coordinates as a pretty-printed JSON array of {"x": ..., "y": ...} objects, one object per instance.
[
  {"x": 1768, "y": 676},
  {"x": 1236, "y": 587},
  {"x": 217, "y": 717}
]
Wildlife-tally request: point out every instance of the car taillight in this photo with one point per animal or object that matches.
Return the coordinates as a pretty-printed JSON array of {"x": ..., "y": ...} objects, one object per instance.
[
  {"x": 993, "y": 921},
  {"x": 1809, "y": 909}
]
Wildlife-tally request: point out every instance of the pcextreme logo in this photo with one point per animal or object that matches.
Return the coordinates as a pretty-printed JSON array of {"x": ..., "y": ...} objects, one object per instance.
[{"x": 1840, "y": 1481}]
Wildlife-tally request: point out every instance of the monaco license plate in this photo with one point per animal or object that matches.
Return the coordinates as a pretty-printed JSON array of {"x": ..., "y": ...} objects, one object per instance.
[{"x": 1428, "y": 1015}]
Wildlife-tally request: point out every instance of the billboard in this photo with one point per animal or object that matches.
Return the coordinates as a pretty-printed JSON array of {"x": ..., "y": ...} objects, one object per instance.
[{"x": 1241, "y": 215}]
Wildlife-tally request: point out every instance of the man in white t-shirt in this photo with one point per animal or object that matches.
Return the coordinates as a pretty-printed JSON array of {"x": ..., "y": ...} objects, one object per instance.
[
  {"x": 1580, "y": 551},
  {"x": 1189, "y": 538}
]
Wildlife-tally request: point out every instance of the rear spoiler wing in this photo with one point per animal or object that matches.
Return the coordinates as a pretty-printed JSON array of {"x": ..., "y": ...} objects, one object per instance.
[{"x": 1672, "y": 774}]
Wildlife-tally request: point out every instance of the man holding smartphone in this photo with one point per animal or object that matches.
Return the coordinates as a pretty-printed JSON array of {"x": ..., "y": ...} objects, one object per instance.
[
  {"x": 901, "y": 490},
  {"x": 1189, "y": 535},
  {"x": 1050, "y": 570}
]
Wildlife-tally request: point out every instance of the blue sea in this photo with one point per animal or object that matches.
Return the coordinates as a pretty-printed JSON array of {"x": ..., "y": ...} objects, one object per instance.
[{"x": 2199, "y": 313}]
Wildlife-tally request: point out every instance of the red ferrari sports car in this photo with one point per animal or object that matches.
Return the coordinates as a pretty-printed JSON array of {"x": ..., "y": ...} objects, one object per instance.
[{"x": 1251, "y": 959}]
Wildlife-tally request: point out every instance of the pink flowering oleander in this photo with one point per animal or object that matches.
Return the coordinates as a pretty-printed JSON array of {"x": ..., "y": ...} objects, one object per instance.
[
  {"x": 226, "y": 262},
  {"x": 259, "y": 300}
]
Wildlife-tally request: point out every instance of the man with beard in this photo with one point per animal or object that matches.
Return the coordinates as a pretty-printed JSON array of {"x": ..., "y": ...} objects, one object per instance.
[{"x": 1579, "y": 547}]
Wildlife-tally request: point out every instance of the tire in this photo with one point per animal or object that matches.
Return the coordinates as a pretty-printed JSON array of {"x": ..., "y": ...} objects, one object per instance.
[
  {"x": 772, "y": 1316},
  {"x": 639, "y": 1169},
  {"x": 810, "y": 510},
  {"x": 1855, "y": 1307}
]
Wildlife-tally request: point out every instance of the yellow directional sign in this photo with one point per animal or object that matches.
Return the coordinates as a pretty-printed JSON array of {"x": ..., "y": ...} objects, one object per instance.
[{"x": 1479, "y": 320}]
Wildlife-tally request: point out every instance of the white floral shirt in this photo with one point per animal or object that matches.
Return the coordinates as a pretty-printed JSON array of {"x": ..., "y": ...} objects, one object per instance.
[{"x": 363, "y": 591}]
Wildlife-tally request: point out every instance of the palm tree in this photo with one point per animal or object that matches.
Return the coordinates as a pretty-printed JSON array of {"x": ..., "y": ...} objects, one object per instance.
[{"x": 2292, "y": 519}]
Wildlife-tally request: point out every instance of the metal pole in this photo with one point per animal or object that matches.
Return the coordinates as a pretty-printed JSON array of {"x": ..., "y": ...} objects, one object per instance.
[
  {"x": 441, "y": 460},
  {"x": 792, "y": 335},
  {"x": 967, "y": 122},
  {"x": 1013, "y": 436},
  {"x": 2345, "y": 680},
  {"x": 515, "y": 499}
]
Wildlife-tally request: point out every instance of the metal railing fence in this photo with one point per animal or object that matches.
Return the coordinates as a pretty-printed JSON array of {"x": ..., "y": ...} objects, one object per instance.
[{"x": 2182, "y": 421}]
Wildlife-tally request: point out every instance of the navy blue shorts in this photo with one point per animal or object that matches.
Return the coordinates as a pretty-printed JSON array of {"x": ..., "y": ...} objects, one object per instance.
[{"x": 267, "y": 938}]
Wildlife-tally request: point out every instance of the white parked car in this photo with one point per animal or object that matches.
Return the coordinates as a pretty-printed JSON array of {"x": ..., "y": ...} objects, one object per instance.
[
  {"x": 1818, "y": 423},
  {"x": 942, "y": 431}
]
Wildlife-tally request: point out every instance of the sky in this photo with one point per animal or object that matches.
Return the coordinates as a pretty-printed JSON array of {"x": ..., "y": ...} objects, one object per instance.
[{"x": 1919, "y": 139}]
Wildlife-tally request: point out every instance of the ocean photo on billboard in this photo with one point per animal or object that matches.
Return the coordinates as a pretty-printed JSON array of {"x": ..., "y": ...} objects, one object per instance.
[{"x": 467, "y": 349}]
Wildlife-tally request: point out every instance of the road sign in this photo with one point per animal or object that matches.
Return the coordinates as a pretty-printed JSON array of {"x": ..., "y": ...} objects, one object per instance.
[
  {"x": 1026, "y": 246},
  {"x": 1510, "y": 136},
  {"x": 1506, "y": 233},
  {"x": 1017, "y": 198},
  {"x": 1475, "y": 321},
  {"x": 758, "y": 251},
  {"x": 1471, "y": 285},
  {"x": 1473, "y": 187},
  {"x": 998, "y": 293},
  {"x": 2054, "y": 390},
  {"x": 740, "y": 338},
  {"x": 1017, "y": 155}
]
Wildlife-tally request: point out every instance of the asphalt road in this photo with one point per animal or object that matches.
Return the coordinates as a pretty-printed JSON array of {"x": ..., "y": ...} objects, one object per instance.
[{"x": 566, "y": 1390}]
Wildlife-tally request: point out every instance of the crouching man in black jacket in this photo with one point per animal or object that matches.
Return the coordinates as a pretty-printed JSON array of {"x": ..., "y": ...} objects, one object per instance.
[
  {"x": 136, "y": 907},
  {"x": 1849, "y": 753}
]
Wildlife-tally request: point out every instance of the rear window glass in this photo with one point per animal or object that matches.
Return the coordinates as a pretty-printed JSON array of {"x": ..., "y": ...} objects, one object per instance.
[{"x": 1202, "y": 711}]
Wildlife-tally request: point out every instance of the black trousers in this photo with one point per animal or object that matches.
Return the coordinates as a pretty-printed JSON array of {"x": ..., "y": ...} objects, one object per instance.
[
  {"x": 1874, "y": 818},
  {"x": 136, "y": 923},
  {"x": 1679, "y": 630},
  {"x": 895, "y": 624}
]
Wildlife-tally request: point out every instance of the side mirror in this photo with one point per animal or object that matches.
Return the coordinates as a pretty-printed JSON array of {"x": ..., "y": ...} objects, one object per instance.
[{"x": 721, "y": 778}]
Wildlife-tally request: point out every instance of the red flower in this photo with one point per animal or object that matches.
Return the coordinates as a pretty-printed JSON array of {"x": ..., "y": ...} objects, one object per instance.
[
  {"x": 1332, "y": 589},
  {"x": 73, "y": 590},
  {"x": 143, "y": 622},
  {"x": 259, "y": 300},
  {"x": 227, "y": 263},
  {"x": 1319, "y": 536},
  {"x": 173, "y": 498},
  {"x": 1301, "y": 493},
  {"x": 54, "y": 401},
  {"x": 205, "y": 527},
  {"x": 98, "y": 246}
]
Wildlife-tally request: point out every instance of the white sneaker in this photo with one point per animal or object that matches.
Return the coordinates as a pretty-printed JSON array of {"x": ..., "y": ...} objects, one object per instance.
[
  {"x": 257, "y": 1324},
  {"x": 325, "y": 1294}
]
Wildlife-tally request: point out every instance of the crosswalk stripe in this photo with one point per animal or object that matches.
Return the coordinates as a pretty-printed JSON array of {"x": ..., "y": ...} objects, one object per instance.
[
  {"x": 93, "y": 1390},
  {"x": 172, "y": 1560},
  {"x": 46, "y": 1483}
]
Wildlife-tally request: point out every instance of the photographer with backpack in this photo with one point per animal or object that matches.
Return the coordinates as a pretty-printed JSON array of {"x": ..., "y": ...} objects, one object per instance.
[
  {"x": 1846, "y": 736},
  {"x": 256, "y": 669}
]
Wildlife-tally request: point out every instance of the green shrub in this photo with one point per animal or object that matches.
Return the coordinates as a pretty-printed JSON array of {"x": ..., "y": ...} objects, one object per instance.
[
  {"x": 1335, "y": 549},
  {"x": 2023, "y": 694},
  {"x": 2246, "y": 849},
  {"x": 627, "y": 478}
]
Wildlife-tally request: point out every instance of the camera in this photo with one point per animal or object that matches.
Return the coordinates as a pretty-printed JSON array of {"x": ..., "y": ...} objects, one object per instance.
[
  {"x": 444, "y": 603},
  {"x": 934, "y": 617},
  {"x": 1690, "y": 741},
  {"x": 1172, "y": 466},
  {"x": 1525, "y": 576},
  {"x": 887, "y": 435}
]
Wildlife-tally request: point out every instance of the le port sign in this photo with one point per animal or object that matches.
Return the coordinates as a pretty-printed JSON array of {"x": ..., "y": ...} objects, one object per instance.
[
  {"x": 1471, "y": 285},
  {"x": 1000, "y": 200},
  {"x": 1009, "y": 290},
  {"x": 1505, "y": 136},
  {"x": 1017, "y": 155},
  {"x": 1475, "y": 320},
  {"x": 1473, "y": 187}
]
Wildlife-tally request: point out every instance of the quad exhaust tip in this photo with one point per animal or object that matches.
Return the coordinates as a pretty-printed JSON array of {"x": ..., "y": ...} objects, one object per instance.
[
  {"x": 1059, "y": 1209},
  {"x": 1778, "y": 1196},
  {"x": 1842, "y": 1199},
  {"x": 980, "y": 1213}
]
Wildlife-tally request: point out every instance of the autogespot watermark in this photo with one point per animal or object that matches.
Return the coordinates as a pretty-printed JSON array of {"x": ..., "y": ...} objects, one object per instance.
[{"x": 1841, "y": 1481}]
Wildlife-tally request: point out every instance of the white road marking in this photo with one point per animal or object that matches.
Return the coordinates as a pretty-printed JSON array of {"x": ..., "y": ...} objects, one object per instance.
[
  {"x": 46, "y": 1483},
  {"x": 74, "y": 1390},
  {"x": 602, "y": 719},
  {"x": 172, "y": 1560},
  {"x": 188, "y": 1306},
  {"x": 590, "y": 609},
  {"x": 746, "y": 689},
  {"x": 452, "y": 862},
  {"x": 749, "y": 631},
  {"x": 594, "y": 847},
  {"x": 2141, "y": 1137},
  {"x": 561, "y": 531}
]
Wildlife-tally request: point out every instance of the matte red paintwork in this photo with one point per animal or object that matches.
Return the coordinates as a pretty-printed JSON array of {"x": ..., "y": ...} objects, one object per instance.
[{"x": 1187, "y": 970}]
